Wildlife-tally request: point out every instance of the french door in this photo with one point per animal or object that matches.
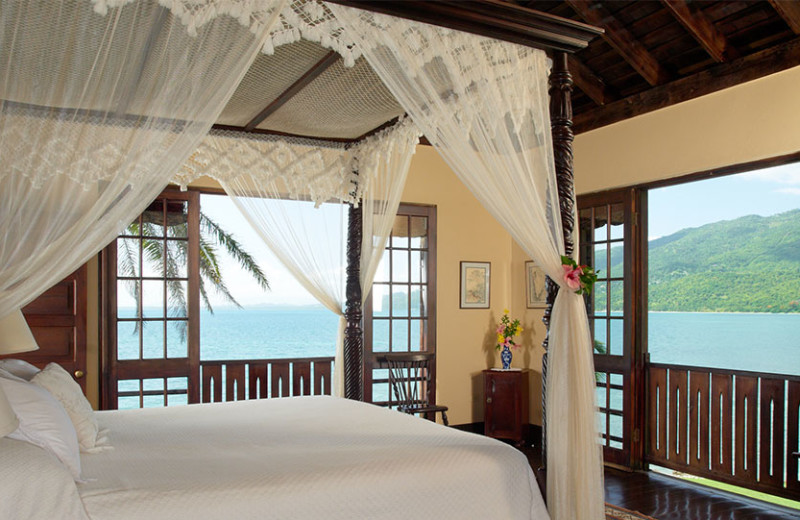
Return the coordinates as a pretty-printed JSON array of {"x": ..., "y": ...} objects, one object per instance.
[
  {"x": 611, "y": 230},
  {"x": 400, "y": 312},
  {"x": 151, "y": 307}
]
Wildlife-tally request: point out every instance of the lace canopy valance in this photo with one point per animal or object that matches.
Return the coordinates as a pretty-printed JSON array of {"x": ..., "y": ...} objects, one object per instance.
[
  {"x": 103, "y": 102},
  {"x": 303, "y": 169}
]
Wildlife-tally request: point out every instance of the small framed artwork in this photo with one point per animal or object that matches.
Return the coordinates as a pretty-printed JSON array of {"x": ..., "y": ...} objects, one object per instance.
[
  {"x": 536, "y": 287},
  {"x": 475, "y": 290}
]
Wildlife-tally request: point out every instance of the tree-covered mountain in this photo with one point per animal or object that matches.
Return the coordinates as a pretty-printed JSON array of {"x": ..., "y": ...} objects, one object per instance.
[{"x": 750, "y": 264}]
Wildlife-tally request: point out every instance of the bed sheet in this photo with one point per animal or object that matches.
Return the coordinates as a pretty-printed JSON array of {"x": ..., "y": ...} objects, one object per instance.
[{"x": 302, "y": 457}]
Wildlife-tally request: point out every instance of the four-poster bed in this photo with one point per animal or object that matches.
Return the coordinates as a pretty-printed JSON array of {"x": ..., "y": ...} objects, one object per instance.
[{"x": 483, "y": 127}]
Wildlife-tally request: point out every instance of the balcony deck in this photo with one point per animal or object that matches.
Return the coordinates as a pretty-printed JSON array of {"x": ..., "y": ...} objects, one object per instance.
[{"x": 667, "y": 498}]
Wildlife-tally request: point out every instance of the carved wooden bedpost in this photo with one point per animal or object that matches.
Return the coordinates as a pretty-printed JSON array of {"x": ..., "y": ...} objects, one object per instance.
[
  {"x": 561, "y": 127},
  {"x": 353, "y": 337}
]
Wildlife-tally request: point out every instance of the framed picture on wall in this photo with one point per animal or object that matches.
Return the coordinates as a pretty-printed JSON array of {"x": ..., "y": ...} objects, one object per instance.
[
  {"x": 475, "y": 290},
  {"x": 536, "y": 288}
]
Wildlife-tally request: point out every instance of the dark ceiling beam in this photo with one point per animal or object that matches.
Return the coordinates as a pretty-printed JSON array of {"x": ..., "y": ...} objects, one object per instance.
[
  {"x": 702, "y": 29},
  {"x": 586, "y": 80},
  {"x": 493, "y": 18},
  {"x": 310, "y": 75},
  {"x": 320, "y": 141},
  {"x": 622, "y": 41},
  {"x": 716, "y": 78},
  {"x": 789, "y": 10}
]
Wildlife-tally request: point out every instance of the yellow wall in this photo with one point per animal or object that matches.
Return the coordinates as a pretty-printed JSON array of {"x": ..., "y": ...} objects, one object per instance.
[
  {"x": 466, "y": 337},
  {"x": 755, "y": 120}
]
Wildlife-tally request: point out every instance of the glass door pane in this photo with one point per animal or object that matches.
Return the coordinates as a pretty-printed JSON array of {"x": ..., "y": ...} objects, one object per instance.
[
  {"x": 398, "y": 317},
  {"x": 153, "y": 335},
  {"x": 604, "y": 244}
]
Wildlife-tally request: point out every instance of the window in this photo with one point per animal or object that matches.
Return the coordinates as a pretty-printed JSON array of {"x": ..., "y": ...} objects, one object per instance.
[
  {"x": 607, "y": 241},
  {"x": 400, "y": 313},
  {"x": 152, "y": 323},
  {"x": 187, "y": 317}
]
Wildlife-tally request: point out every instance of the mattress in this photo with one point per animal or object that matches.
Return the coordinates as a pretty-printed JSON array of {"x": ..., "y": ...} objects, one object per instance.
[{"x": 300, "y": 457}]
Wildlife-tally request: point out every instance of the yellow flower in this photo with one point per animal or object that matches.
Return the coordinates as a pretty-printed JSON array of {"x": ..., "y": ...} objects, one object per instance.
[
  {"x": 501, "y": 338},
  {"x": 519, "y": 330},
  {"x": 505, "y": 311}
]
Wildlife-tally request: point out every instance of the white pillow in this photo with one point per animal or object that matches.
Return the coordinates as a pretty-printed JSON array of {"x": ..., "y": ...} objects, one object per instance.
[
  {"x": 43, "y": 422},
  {"x": 19, "y": 368},
  {"x": 60, "y": 384},
  {"x": 9, "y": 375}
]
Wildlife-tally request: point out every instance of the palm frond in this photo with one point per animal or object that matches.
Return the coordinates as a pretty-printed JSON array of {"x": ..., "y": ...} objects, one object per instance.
[
  {"x": 600, "y": 348},
  {"x": 235, "y": 249},
  {"x": 167, "y": 260},
  {"x": 204, "y": 296},
  {"x": 127, "y": 264},
  {"x": 210, "y": 272}
]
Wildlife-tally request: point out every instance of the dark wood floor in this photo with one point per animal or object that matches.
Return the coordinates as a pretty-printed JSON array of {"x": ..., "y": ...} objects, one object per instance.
[{"x": 668, "y": 498}]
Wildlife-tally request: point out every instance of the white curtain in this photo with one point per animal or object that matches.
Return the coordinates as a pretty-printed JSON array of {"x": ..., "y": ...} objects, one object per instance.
[
  {"x": 384, "y": 160},
  {"x": 100, "y": 103},
  {"x": 294, "y": 193},
  {"x": 483, "y": 104}
]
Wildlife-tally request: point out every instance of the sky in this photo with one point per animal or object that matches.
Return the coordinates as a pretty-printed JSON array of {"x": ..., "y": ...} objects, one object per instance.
[
  {"x": 284, "y": 290},
  {"x": 764, "y": 192}
]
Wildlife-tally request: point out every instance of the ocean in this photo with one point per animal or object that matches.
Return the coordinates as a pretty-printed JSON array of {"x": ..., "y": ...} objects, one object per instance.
[
  {"x": 737, "y": 341},
  {"x": 755, "y": 342}
]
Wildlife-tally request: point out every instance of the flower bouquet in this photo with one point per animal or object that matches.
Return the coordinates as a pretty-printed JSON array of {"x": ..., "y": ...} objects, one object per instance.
[{"x": 505, "y": 338}]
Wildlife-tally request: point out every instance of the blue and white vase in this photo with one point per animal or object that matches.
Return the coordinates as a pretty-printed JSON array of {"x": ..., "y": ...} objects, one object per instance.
[{"x": 505, "y": 357}]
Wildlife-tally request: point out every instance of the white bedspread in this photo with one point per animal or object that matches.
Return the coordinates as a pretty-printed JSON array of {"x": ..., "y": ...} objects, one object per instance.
[
  {"x": 309, "y": 457},
  {"x": 34, "y": 485}
]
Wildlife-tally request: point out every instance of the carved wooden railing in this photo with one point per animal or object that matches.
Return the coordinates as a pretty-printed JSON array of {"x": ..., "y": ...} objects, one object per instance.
[
  {"x": 236, "y": 380},
  {"x": 732, "y": 426}
]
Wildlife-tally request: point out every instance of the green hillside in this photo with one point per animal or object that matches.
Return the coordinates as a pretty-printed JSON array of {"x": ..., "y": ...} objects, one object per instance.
[{"x": 750, "y": 264}]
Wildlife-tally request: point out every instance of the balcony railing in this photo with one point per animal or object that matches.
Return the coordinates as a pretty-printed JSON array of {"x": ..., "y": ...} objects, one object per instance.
[
  {"x": 236, "y": 380},
  {"x": 732, "y": 426}
]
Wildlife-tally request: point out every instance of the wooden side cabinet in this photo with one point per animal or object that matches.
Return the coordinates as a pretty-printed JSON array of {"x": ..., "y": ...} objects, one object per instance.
[{"x": 506, "y": 412}]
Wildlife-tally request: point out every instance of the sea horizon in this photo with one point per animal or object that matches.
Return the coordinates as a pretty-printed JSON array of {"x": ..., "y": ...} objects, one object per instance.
[{"x": 749, "y": 341}]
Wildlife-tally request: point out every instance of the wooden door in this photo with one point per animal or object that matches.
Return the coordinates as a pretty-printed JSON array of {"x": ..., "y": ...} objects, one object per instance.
[
  {"x": 151, "y": 336},
  {"x": 400, "y": 312},
  {"x": 57, "y": 320},
  {"x": 611, "y": 231}
]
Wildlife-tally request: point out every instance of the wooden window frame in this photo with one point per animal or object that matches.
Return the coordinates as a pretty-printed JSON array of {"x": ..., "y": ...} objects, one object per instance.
[
  {"x": 631, "y": 363},
  {"x": 370, "y": 357},
  {"x": 113, "y": 369}
]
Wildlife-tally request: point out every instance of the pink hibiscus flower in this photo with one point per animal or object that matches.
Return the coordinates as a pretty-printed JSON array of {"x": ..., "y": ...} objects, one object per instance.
[{"x": 572, "y": 277}]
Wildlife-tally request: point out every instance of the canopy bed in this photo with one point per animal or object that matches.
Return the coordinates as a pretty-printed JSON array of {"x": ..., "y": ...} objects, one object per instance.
[
  {"x": 94, "y": 126},
  {"x": 212, "y": 461}
]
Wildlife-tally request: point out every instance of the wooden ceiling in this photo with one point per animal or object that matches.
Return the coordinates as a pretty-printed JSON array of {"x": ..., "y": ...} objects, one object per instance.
[
  {"x": 652, "y": 54},
  {"x": 655, "y": 53}
]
